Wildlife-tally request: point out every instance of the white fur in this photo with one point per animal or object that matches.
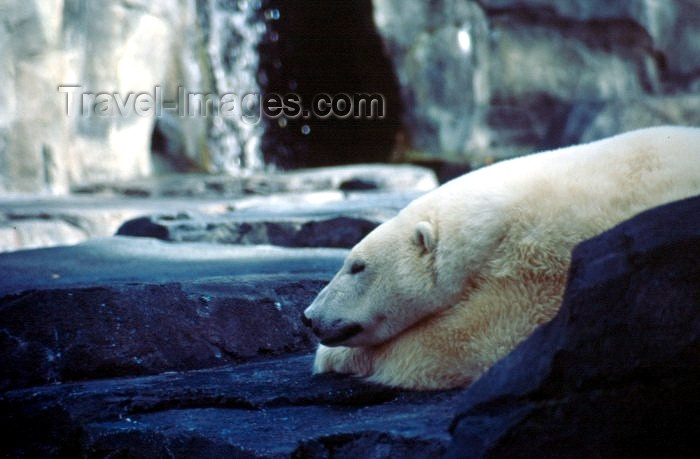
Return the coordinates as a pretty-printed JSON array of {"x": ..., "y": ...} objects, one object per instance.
[{"x": 467, "y": 271}]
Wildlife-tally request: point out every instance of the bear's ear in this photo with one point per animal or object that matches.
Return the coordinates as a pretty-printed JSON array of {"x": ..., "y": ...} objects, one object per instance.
[{"x": 424, "y": 236}]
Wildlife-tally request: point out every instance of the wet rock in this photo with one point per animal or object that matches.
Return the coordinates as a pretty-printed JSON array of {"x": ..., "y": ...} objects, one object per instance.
[
  {"x": 305, "y": 196},
  {"x": 334, "y": 223},
  {"x": 672, "y": 25},
  {"x": 32, "y": 233},
  {"x": 616, "y": 372},
  {"x": 44, "y": 146},
  {"x": 225, "y": 48},
  {"x": 440, "y": 56},
  {"x": 609, "y": 118},
  {"x": 375, "y": 176},
  {"x": 332, "y": 231},
  {"x": 486, "y": 80},
  {"x": 271, "y": 408},
  {"x": 28, "y": 221},
  {"x": 117, "y": 307}
]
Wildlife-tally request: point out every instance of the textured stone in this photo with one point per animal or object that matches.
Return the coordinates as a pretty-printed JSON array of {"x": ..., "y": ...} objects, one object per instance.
[
  {"x": 440, "y": 56},
  {"x": 116, "y": 307},
  {"x": 271, "y": 408},
  {"x": 477, "y": 80},
  {"x": 379, "y": 177},
  {"x": 221, "y": 42},
  {"x": 186, "y": 204},
  {"x": 315, "y": 231},
  {"x": 619, "y": 116},
  {"x": 32, "y": 222},
  {"x": 531, "y": 74},
  {"x": 116, "y": 47},
  {"x": 616, "y": 372},
  {"x": 49, "y": 44},
  {"x": 672, "y": 25},
  {"x": 333, "y": 223}
]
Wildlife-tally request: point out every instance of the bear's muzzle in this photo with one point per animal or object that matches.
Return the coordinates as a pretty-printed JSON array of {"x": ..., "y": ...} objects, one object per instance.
[{"x": 333, "y": 334}]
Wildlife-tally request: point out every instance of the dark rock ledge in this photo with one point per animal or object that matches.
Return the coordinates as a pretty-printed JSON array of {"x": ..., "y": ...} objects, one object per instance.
[
  {"x": 328, "y": 223},
  {"x": 132, "y": 306},
  {"x": 270, "y": 408},
  {"x": 82, "y": 327}
]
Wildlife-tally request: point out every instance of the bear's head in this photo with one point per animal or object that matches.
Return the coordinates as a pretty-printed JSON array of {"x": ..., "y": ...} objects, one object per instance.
[{"x": 388, "y": 282}]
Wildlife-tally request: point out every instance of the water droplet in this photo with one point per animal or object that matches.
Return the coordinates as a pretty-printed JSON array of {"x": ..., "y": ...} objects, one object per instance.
[
  {"x": 282, "y": 122},
  {"x": 278, "y": 305},
  {"x": 464, "y": 40},
  {"x": 273, "y": 14},
  {"x": 306, "y": 129},
  {"x": 274, "y": 36}
]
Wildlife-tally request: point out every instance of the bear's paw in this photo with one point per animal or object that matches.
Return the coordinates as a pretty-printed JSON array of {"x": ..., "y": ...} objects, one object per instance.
[{"x": 345, "y": 360}]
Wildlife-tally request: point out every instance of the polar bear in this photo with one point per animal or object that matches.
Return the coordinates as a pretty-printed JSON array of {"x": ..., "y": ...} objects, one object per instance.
[{"x": 435, "y": 296}]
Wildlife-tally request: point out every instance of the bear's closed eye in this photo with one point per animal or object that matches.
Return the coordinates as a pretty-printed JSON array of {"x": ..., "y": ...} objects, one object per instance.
[{"x": 357, "y": 267}]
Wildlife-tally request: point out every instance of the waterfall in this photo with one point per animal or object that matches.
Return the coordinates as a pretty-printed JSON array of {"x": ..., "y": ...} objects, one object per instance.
[{"x": 231, "y": 32}]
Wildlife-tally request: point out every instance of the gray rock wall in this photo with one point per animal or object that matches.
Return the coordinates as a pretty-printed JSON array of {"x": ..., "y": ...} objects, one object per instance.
[
  {"x": 124, "y": 47},
  {"x": 479, "y": 80},
  {"x": 103, "y": 47},
  {"x": 487, "y": 79}
]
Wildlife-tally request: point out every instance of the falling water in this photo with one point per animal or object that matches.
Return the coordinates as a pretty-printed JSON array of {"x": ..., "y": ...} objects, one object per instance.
[{"x": 232, "y": 30}]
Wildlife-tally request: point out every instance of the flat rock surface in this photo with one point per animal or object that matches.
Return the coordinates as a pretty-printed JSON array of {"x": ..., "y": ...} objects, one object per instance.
[
  {"x": 149, "y": 312},
  {"x": 316, "y": 220},
  {"x": 28, "y": 222},
  {"x": 271, "y": 408},
  {"x": 397, "y": 177},
  {"x": 217, "y": 207},
  {"x": 129, "y": 306},
  {"x": 108, "y": 261}
]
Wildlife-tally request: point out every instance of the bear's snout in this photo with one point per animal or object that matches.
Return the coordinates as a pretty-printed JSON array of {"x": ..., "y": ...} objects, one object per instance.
[
  {"x": 332, "y": 334},
  {"x": 305, "y": 320}
]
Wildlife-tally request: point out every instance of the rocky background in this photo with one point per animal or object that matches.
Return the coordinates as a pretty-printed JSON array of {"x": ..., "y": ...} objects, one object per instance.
[
  {"x": 154, "y": 268},
  {"x": 464, "y": 81}
]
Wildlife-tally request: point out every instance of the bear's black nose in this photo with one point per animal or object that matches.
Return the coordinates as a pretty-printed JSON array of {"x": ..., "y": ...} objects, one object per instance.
[{"x": 305, "y": 320}]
